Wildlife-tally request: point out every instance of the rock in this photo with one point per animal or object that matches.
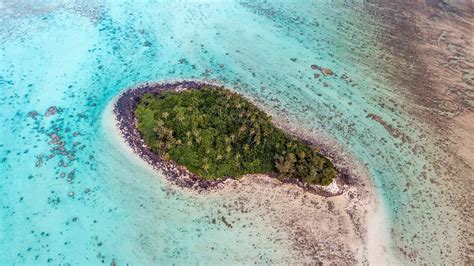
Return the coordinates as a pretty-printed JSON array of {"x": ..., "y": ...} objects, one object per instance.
[
  {"x": 32, "y": 114},
  {"x": 51, "y": 111},
  {"x": 326, "y": 71},
  {"x": 39, "y": 161}
]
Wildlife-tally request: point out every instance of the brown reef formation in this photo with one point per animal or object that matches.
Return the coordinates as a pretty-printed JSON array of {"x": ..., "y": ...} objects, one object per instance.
[{"x": 429, "y": 55}]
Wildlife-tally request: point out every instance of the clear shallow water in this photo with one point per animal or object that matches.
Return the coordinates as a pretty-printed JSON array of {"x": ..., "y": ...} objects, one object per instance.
[{"x": 78, "y": 57}]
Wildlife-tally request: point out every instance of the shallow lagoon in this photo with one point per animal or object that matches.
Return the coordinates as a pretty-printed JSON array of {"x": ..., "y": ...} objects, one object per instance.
[{"x": 103, "y": 204}]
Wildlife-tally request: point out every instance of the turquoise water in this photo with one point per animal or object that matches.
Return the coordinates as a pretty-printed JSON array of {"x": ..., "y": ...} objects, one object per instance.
[{"x": 103, "y": 205}]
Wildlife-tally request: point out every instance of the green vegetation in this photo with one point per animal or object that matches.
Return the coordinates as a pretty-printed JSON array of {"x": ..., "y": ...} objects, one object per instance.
[{"x": 217, "y": 133}]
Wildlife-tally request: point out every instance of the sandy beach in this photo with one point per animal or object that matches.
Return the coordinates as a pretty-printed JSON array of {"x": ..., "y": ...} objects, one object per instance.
[{"x": 349, "y": 228}]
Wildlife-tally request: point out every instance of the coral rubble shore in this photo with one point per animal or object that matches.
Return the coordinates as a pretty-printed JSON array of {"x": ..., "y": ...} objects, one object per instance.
[
  {"x": 350, "y": 228},
  {"x": 126, "y": 121},
  {"x": 318, "y": 229}
]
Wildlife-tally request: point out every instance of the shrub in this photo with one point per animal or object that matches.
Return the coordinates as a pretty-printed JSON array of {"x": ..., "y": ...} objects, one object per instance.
[{"x": 217, "y": 133}]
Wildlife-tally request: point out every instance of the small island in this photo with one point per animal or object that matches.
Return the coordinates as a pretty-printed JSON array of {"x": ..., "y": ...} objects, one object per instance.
[{"x": 199, "y": 134}]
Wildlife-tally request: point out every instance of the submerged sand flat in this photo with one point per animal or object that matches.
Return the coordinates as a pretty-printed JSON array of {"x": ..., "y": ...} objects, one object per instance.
[{"x": 397, "y": 107}]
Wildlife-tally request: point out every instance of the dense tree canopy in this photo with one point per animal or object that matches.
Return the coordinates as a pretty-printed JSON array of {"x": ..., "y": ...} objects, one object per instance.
[{"x": 216, "y": 133}]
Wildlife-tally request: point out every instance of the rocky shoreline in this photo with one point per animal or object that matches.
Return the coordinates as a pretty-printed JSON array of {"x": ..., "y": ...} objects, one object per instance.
[{"x": 123, "y": 109}]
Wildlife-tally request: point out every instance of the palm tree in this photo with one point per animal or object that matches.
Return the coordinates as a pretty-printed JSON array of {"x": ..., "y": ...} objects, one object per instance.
[
  {"x": 266, "y": 131},
  {"x": 257, "y": 139},
  {"x": 285, "y": 165},
  {"x": 302, "y": 155},
  {"x": 205, "y": 166}
]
